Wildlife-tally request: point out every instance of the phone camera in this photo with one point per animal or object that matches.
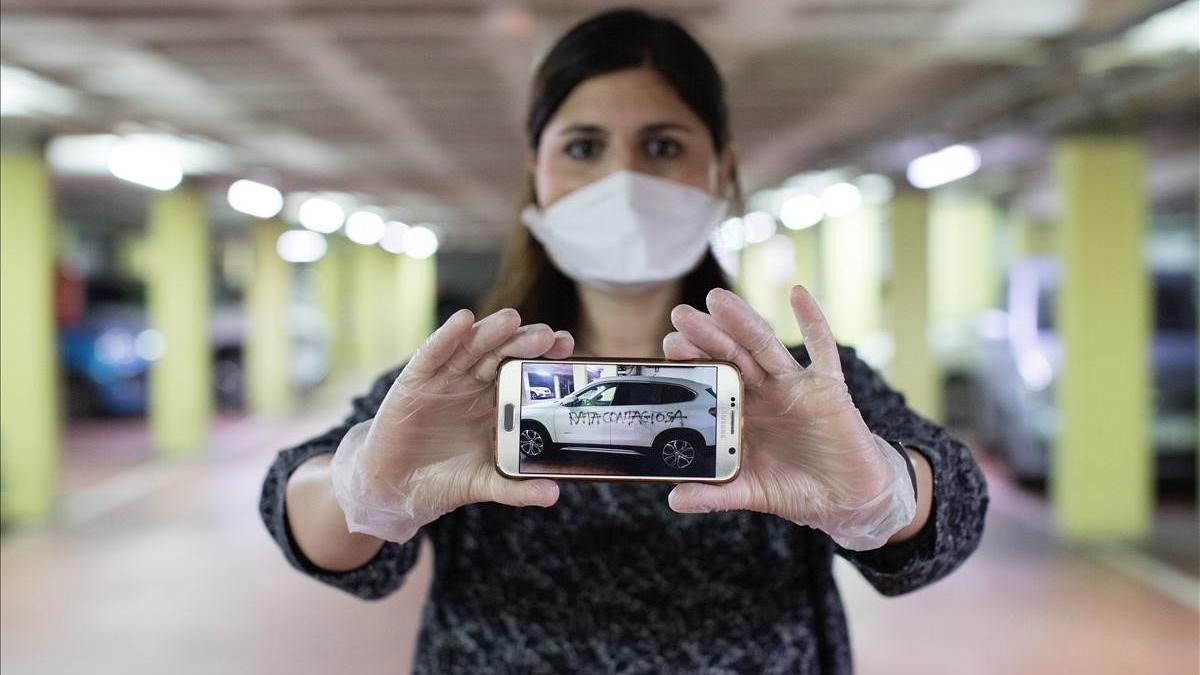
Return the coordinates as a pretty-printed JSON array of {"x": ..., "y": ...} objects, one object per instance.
[{"x": 732, "y": 451}]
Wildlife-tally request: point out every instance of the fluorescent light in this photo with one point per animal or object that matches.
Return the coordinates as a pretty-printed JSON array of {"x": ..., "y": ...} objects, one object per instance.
[
  {"x": 840, "y": 199},
  {"x": 365, "y": 227},
  {"x": 255, "y": 199},
  {"x": 321, "y": 215},
  {"x": 801, "y": 211},
  {"x": 89, "y": 154},
  {"x": 420, "y": 241},
  {"x": 24, "y": 94},
  {"x": 393, "y": 236},
  {"x": 759, "y": 226},
  {"x": 1173, "y": 29},
  {"x": 145, "y": 164},
  {"x": 300, "y": 246},
  {"x": 733, "y": 235},
  {"x": 944, "y": 166}
]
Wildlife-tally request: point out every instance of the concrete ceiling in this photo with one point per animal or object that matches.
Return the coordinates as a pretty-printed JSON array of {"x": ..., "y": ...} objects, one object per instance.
[{"x": 419, "y": 103}]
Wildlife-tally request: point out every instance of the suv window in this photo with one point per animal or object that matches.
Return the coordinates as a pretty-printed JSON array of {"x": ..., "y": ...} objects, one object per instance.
[
  {"x": 601, "y": 394},
  {"x": 675, "y": 394},
  {"x": 636, "y": 393}
]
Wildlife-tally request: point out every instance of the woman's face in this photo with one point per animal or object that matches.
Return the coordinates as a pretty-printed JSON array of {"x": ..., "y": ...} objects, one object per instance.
[{"x": 629, "y": 119}]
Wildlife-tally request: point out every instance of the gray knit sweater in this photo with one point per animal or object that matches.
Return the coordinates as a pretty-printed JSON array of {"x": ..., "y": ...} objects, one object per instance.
[{"x": 610, "y": 580}]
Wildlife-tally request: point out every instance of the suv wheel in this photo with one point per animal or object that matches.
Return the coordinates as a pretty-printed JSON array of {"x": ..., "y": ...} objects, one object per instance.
[
  {"x": 678, "y": 452},
  {"x": 533, "y": 441}
]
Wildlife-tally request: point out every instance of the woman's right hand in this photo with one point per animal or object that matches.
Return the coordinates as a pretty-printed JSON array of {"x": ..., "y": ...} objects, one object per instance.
[{"x": 429, "y": 448}]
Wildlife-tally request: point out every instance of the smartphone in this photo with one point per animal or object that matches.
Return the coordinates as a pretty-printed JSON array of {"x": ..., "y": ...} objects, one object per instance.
[{"x": 619, "y": 420}]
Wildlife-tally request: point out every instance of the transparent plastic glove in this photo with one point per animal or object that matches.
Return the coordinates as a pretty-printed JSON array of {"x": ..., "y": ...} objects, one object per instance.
[
  {"x": 429, "y": 448},
  {"x": 809, "y": 457}
]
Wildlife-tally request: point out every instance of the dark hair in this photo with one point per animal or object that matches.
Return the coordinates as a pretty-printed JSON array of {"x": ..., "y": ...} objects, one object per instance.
[
  {"x": 622, "y": 39},
  {"x": 608, "y": 42}
]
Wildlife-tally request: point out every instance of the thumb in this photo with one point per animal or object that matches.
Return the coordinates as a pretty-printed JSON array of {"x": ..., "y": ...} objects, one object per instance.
[
  {"x": 705, "y": 498},
  {"x": 511, "y": 492}
]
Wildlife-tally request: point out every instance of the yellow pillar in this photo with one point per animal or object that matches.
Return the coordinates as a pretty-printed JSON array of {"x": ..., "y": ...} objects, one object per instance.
[
  {"x": 1033, "y": 236},
  {"x": 851, "y": 266},
  {"x": 963, "y": 271},
  {"x": 331, "y": 277},
  {"x": 373, "y": 308},
  {"x": 29, "y": 434},
  {"x": 1102, "y": 469},
  {"x": 768, "y": 272},
  {"x": 912, "y": 369},
  {"x": 415, "y": 302},
  {"x": 178, "y": 298},
  {"x": 268, "y": 351}
]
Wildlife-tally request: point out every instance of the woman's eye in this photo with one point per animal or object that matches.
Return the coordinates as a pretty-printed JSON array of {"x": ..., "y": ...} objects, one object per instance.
[
  {"x": 582, "y": 148},
  {"x": 663, "y": 148}
]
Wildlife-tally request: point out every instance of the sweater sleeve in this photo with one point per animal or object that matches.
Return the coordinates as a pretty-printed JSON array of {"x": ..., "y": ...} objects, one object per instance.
[
  {"x": 960, "y": 499},
  {"x": 381, "y": 575}
]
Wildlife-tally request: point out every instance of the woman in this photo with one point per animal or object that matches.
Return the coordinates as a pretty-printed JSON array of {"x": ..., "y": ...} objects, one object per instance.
[{"x": 628, "y": 121}]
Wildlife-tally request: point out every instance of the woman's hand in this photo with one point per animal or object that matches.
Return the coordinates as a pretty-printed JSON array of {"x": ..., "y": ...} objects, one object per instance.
[
  {"x": 429, "y": 448},
  {"x": 808, "y": 456}
]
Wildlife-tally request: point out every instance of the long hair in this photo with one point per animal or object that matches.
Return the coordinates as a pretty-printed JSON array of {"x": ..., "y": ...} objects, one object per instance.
[{"x": 608, "y": 42}]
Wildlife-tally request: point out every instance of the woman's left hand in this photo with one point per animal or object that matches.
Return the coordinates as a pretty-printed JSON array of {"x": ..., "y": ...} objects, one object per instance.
[{"x": 808, "y": 456}]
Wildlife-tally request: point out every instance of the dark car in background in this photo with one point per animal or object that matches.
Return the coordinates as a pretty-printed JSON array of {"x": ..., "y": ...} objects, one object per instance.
[
  {"x": 1023, "y": 357},
  {"x": 106, "y": 352}
]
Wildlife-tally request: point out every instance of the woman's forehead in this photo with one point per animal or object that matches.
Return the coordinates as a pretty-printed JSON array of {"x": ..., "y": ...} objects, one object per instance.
[{"x": 624, "y": 101}]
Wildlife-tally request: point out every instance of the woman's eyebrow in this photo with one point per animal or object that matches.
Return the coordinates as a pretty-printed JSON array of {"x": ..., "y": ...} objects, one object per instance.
[
  {"x": 666, "y": 126},
  {"x": 580, "y": 128}
]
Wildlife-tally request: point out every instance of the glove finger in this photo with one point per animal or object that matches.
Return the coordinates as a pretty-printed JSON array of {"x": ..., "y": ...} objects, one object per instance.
[
  {"x": 564, "y": 346},
  {"x": 441, "y": 345},
  {"x": 486, "y": 335},
  {"x": 702, "y": 330},
  {"x": 533, "y": 492},
  {"x": 678, "y": 348},
  {"x": 529, "y": 342},
  {"x": 751, "y": 331},
  {"x": 818, "y": 338},
  {"x": 707, "y": 497}
]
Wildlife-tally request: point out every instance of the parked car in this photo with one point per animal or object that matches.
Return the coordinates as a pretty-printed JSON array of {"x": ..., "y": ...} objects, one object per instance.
[
  {"x": 107, "y": 351},
  {"x": 1018, "y": 413},
  {"x": 540, "y": 392},
  {"x": 670, "y": 419}
]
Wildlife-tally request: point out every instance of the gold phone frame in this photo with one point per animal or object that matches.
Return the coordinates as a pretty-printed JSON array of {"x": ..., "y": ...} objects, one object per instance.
[{"x": 730, "y": 421}]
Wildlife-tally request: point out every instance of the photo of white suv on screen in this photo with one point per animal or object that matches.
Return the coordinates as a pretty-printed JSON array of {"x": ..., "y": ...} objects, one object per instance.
[{"x": 661, "y": 421}]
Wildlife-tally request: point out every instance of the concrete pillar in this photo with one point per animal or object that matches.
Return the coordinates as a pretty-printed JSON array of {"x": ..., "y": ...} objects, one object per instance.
[
  {"x": 372, "y": 311},
  {"x": 29, "y": 436},
  {"x": 1032, "y": 236},
  {"x": 912, "y": 370},
  {"x": 268, "y": 349},
  {"x": 964, "y": 274},
  {"x": 413, "y": 306},
  {"x": 331, "y": 276},
  {"x": 851, "y": 270},
  {"x": 768, "y": 271},
  {"x": 1102, "y": 470},
  {"x": 178, "y": 300}
]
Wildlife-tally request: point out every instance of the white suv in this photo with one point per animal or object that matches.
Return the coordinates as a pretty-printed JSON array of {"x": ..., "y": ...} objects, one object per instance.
[{"x": 670, "y": 417}]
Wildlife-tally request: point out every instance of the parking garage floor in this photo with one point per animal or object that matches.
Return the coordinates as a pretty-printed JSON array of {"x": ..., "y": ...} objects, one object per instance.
[{"x": 163, "y": 566}]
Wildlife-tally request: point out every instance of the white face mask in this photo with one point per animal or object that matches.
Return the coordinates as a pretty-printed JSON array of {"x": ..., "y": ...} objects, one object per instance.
[{"x": 628, "y": 231}]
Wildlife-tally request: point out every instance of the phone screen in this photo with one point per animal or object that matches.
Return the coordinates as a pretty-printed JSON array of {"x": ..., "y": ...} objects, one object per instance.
[{"x": 618, "y": 419}]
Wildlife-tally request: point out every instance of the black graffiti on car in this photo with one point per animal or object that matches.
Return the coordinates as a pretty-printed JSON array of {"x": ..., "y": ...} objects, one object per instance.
[{"x": 628, "y": 417}]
